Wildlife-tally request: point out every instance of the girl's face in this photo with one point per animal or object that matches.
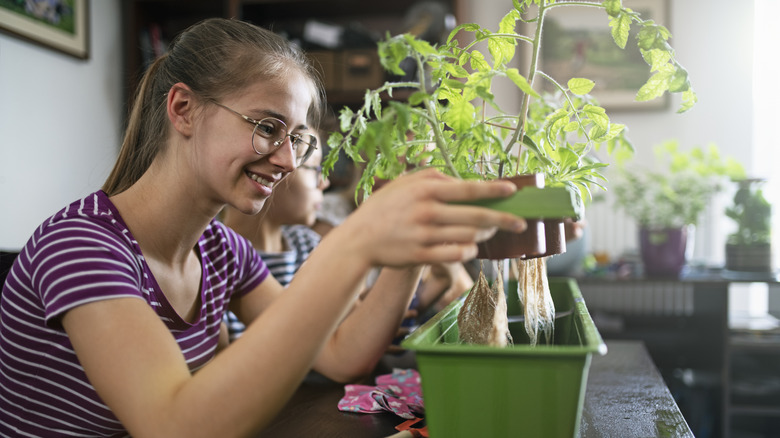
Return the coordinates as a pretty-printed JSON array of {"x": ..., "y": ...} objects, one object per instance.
[
  {"x": 298, "y": 198},
  {"x": 236, "y": 174}
]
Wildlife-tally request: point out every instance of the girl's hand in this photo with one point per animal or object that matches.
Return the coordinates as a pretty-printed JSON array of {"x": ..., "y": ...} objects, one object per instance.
[{"x": 412, "y": 219}]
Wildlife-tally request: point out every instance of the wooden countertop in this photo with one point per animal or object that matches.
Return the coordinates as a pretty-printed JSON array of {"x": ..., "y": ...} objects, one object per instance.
[{"x": 625, "y": 397}]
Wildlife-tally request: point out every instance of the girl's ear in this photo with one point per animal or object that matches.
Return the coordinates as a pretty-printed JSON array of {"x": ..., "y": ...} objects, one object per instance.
[{"x": 181, "y": 108}]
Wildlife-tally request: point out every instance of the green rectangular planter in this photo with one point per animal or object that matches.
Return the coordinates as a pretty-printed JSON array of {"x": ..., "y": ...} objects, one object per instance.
[{"x": 517, "y": 391}]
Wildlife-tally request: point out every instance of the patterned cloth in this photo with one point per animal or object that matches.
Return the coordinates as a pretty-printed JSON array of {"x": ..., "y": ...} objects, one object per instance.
[{"x": 399, "y": 393}]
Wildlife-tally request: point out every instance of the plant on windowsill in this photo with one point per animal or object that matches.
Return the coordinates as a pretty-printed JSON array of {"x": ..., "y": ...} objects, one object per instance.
[
  {"x": 749, "y": 248},
  {"x": 667, "y": 202},
  {"x": 445, "y": 122}
]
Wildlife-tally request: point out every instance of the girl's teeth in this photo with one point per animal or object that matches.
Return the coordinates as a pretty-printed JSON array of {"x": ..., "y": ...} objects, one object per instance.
[{"x": 259, "y": 179}]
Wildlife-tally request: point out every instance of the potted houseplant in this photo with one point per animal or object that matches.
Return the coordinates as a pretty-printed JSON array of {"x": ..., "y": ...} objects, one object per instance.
[
  {"x": 666, "y": 203},
  {"x": 748, "y": 249},
  {"x": 443, "y": 117}
]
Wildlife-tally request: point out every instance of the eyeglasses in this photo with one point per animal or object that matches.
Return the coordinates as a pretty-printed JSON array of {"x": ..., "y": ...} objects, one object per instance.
[
  {"x": 316, "y": 169},
  {"x": 269, "y": 135}
]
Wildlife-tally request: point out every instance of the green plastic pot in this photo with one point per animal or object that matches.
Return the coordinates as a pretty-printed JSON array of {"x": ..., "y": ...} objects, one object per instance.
[{"x": 517, "y": 391}]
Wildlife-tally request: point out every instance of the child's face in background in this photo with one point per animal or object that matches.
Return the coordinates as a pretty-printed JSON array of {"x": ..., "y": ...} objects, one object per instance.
[{"x": 298, "y": 197}]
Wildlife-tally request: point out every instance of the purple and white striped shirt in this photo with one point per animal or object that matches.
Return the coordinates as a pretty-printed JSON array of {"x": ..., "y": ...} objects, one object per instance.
[{"x": 82, "y": 254}]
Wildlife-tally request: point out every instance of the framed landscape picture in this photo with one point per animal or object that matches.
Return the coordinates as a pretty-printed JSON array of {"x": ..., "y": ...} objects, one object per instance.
[
  {"x": 56, "y": 24},
  {"x": 577, "y": 43}
]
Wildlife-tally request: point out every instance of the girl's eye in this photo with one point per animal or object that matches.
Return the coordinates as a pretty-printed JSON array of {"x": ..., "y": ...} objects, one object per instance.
[{"x": 266, "y": 128}]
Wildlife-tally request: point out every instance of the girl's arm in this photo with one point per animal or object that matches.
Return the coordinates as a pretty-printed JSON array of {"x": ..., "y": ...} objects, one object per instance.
[{"x": 138, "y": 370}]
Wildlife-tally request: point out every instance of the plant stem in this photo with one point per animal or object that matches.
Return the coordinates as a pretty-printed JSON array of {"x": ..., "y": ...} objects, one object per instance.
[
  {"x": 523, "y": 116},
  {"x": 437, "y": 134}
]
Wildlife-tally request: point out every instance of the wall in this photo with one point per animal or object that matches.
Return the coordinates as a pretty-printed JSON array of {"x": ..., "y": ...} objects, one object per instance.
[{"x": 60, "y": 123}]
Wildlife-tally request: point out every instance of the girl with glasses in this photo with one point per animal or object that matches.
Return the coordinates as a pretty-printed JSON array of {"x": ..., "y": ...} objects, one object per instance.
[{"x": 110, "y": 316}]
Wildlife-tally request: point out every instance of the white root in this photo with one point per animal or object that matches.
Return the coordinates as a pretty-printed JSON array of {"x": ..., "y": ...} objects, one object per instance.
[
  {"x": 482, "y": 318},
  {"x": 534, "y": 294}
]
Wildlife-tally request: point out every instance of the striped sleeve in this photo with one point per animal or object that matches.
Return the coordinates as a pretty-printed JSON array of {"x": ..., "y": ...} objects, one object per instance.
[{"x": 79, "y": 261}]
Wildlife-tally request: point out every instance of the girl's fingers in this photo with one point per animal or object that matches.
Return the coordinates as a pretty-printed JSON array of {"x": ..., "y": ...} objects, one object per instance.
[
  {"x": 477, "y": 216},
  {"x": 455, "y": 234},
  {"x": 455, "y": 252}
]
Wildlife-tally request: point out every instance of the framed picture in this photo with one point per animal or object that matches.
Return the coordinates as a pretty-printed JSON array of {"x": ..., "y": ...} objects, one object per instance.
[
  {"x": 577, "y": 43},
  {"x": 57, "y": 24}
]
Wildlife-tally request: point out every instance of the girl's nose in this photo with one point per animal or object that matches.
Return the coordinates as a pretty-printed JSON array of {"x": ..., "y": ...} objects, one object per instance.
[
  {"x": 284, "y": 157},
  {"x": 323, "y": 183}
]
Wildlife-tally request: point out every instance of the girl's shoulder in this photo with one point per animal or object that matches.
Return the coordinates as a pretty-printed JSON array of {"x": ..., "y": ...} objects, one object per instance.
[{"x": 93, "y": 217}]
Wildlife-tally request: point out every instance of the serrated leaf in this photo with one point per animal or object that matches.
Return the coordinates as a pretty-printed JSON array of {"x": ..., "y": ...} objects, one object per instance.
[
  {"x": 391, "y": 53},
  {"x": 468, "y": 27},
  {"x": 418, "y": 97},
  {"x": 656, "y": 58},
  {"x": 454, "y": 70},
  {"x": 459, "y": 116},
  {"x": 679, "y": 81},
  {"x": 420, "y": 46},
  {"x": 478, "y": 62},
  {"x": 689, "y": 99},
  {"x": 453, "y": 84},
  {"x": 597, "y": 115},
  {"x": 345, "y": 118},
  {"x": 580, "y": 86},
  {"x": 522, "y": 83},
  {"x": 655, "y": 86},
  {"x": 620, "y": 26}
]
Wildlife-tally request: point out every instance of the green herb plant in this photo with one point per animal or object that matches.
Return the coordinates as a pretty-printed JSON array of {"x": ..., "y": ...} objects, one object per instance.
[
  {"x": 675, "y": 194},
  {"x": 752, "y": 214},
  {"x": 444, "y": 121}
]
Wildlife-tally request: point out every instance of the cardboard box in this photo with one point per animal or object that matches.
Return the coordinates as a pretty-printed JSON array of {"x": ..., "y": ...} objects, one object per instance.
[
  {"x": 326, "y": 62},
  {"x": 360, "y": 70}
]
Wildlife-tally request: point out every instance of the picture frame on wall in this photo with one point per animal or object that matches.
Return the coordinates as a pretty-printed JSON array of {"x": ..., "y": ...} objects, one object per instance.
[
  {"x": 577, "y": 43},
  {"x": 61, "y": 25}
]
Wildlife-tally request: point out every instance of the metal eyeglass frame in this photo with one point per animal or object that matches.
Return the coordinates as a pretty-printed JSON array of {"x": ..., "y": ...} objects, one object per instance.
[{"x": 296, "y": 139}]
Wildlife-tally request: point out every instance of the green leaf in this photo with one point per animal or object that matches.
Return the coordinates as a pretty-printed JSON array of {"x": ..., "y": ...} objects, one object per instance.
[
  {"x": 453, "y": 84},
  {"x": 679, "y": 81},
  {"x": 655, "y": 86},
  {"x": 597, "y": 115},
  {"x": 418, "y": 97},
  {"x": 613, "y": 7},
  {"x": 620, "y": 24},
  {"x": 345, "y": 118},
  {"x": 422, "y": 47},
  {"x": 459, "y": 116},
  {"x": 653, "y": 36},
  {"x": 391, "y": 53},
  {"x": 689, "y": 100},
  {"x": 468, "y": 27},
  {"x": 656, "y": 58},
  {"x": 455, "y": 70},
  {"x": 522, "y": 83},
  {"x": 478, "y": 62},
  {"x": 580, "y": 86}
]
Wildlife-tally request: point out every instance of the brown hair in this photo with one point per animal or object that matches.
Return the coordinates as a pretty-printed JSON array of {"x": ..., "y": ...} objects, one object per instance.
[{"x": 215, "y": 57}]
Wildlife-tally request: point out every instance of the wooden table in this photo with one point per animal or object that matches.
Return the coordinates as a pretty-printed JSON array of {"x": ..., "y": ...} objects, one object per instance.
[{"x": 625, "y": 397}]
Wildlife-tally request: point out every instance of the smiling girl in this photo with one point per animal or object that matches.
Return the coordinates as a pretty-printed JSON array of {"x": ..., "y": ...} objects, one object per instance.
[{"x": 110, "y": 316}]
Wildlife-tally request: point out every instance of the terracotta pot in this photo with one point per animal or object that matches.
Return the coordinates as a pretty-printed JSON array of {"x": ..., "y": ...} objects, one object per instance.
[
  {"x": 528, "y": 244},
  {"x": 554, "y": 237}
]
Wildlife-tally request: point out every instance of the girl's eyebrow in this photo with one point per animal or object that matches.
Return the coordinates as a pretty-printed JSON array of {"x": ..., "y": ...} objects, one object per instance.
[{"x": 282, "y": 117}]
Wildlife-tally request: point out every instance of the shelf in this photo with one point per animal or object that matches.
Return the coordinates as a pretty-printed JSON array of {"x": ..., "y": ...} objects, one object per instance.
[{"x": 149, "y": 25}]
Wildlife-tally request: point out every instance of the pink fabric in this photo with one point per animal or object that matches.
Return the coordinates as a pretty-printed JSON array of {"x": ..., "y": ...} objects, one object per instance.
[{"x": 399, "y": 392}]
